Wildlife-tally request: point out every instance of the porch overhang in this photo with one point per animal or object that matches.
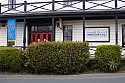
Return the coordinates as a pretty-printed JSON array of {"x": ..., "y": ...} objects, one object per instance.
[{"x": 57, "y": 14}]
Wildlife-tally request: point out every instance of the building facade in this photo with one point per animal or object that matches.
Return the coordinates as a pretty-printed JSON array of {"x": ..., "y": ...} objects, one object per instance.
[{"x": 96, "y": 21}]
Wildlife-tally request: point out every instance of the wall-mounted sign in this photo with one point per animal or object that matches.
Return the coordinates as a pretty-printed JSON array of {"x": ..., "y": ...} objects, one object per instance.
[
  {"x": 11, "y": 30},
  {"x": 97, "y": 34}
]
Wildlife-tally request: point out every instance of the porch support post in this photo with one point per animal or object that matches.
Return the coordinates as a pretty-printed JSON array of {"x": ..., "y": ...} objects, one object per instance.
[
  {"x": 53, "y": 22},
  {"x": 83, "y": 28},
  {"x": 53, "y": 5},
  {"x": 83, "y": 21},
  {"x": 116, "y": 23},
  {"x": 116, "y": 28},
  {"x": 24, "y": 35},
  {"x": 24, "y": 30},
  {"x": 0, "y": 8},
  {"x": 53, "y": 29}
]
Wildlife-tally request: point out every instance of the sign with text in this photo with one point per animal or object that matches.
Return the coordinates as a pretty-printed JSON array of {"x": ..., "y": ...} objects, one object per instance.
[
  {"x": 11, "y": 30},
  {"x": 98, "y": 34}
]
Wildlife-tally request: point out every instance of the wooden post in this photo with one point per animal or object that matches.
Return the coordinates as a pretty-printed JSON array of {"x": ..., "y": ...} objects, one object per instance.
[
  {"x": 24, "y": 32},
  {"x": 83, "y": 21}
]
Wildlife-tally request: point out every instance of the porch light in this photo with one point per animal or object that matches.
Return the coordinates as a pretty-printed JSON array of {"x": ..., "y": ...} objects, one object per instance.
[{"x": 59, "y": 24}]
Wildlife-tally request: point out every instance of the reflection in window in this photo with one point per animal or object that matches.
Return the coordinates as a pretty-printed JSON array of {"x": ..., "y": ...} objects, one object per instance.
[{"x": 67, "y": 33}]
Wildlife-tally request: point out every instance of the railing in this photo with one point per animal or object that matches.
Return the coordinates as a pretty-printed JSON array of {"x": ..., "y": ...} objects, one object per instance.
[{"x": 77, "y": 5}]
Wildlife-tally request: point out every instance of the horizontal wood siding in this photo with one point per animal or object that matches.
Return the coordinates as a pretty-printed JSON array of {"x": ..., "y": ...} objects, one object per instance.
[
  {"x": 78, "y": 30},
  {"x": 58, "y": 34},
  {"x": 3, "y": 36},
  {"x": 19, "y": 34},
  {"x": 103, "y": 23}
]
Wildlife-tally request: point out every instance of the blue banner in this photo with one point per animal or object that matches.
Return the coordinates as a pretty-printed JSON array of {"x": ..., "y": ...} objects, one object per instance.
[{"x": 11, "y": 30}]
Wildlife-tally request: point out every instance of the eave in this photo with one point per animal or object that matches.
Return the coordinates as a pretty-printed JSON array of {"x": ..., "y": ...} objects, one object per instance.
[{"x": 57, "y": 14}]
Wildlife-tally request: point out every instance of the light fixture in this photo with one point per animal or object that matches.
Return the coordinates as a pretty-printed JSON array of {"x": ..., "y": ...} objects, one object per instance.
[{"x": 59, "y": 23}]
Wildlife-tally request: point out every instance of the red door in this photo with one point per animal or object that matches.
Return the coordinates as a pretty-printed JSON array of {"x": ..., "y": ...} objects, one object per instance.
[{"x": 38, "y": 37}]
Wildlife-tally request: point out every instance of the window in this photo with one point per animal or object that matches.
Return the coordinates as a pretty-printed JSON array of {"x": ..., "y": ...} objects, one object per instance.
[
  {"x": 11, "y": 4},
  {"x": 41, "y": 28},
  {"x": 67, "y": 33},
  {"x": 68, "y": 3}
]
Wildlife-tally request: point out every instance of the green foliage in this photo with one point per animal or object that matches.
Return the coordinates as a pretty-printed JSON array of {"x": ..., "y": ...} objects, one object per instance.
[
  {"x": 10, "y": 59},
  {"x": 113, "y": 66},
  {"x": 106, "y": 53},
  {"x": 57, "y": 58}
]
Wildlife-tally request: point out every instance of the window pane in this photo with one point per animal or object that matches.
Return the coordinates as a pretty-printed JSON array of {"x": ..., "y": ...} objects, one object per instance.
[
  {"x": 38, "y": 36},
  {"x": 10, "y": 2},
  {"x": 65, "y": 39},
  {"x": 40, "y": 28},
  {"x": 69, "y": 39},
  {"x": 32, "y": 28},
  {"x": 49, "y": 37},
  {"x": 35, "y": 28},
  {"x": 67, "y": 3},
  {"x": 44, "y": 37},
  {"x": 67, "y": 33},
  {"x": 33, "y": 37},
  {"x": 43, "y": 28},
  {"x": 50, "y": 28},
  {"x": 14, "y": 2}
]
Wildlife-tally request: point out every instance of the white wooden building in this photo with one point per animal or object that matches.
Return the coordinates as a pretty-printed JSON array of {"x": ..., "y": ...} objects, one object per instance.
[{"x": 96, "y": 21}]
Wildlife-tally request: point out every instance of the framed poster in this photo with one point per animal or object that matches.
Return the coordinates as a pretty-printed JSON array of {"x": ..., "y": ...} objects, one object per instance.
[{"x": 97, "y": 34}]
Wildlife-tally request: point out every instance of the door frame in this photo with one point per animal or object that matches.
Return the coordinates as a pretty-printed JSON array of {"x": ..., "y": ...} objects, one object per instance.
[{"x": 123, "y": 35}]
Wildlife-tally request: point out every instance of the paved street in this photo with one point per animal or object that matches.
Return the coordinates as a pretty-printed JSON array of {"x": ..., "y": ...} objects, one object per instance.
[{"x": 82, "y": 78}]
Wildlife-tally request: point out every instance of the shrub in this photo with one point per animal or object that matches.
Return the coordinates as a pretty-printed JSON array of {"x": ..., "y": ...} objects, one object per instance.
[
  {"x": 57, "y": 58},
  {"x": 105, "y": 54},
  {"x": 10, "y": 59}
]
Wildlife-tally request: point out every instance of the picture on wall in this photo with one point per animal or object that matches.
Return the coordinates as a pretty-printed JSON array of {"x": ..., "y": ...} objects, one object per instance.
[{"x": 97, "y": 34}]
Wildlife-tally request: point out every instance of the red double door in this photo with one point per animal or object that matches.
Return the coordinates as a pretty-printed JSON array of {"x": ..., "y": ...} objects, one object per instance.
[{"x": 38, "y": 37}]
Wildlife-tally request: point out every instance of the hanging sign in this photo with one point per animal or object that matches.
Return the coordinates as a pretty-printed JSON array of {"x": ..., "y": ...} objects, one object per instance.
[{"x": 11, "y": 30}]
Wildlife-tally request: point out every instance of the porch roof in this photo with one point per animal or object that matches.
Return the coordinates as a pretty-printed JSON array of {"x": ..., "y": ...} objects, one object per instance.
[{"x": 57, "y": 14}]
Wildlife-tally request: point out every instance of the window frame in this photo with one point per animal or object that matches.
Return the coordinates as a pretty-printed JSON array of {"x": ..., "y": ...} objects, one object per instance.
[
  {"x": 68, "y": 3},
  {"x": 36, "y": 28},
  {"x": 11, "y": 4},
  {"x": 103, "y": 27},
  {"x": 66, "y": 26}
]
